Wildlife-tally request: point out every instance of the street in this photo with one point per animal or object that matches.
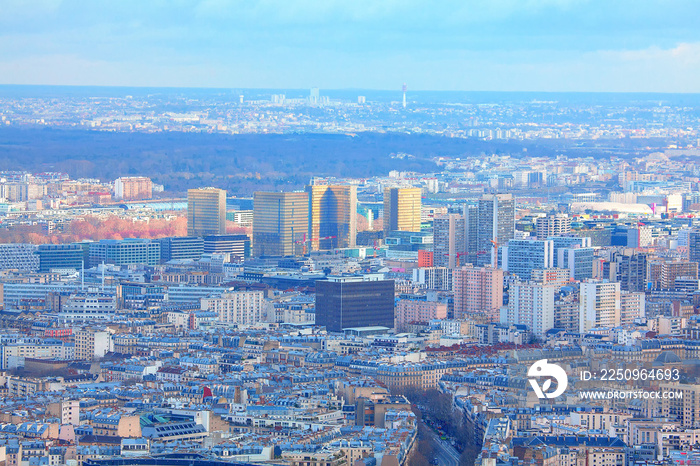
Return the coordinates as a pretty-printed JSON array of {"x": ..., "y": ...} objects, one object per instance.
[{"x": 445, "y": 453}]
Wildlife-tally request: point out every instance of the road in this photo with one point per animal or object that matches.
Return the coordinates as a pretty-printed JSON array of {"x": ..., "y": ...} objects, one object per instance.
[{"x": 446, "y": 454}]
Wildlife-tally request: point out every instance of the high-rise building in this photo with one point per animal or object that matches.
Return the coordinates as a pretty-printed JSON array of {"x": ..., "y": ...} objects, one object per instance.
[
  {"x": 471, "y": 233},
  {"x": 578, "y": 260},
  {"x": 133, "y": 188},
  {"x": 433, "y": 278},
  {"x": 639, "y": 237},
  {"x": 629, "y": 267},
  {"x": 449, "y": 244},
  {"x": 130, "y": 251},
  {"x": 554, "y": 276},
  {"x": 694, "y": 245},
  {"x": 531, "y": 304},
  {"x": 236, "y": 246},
  {"x": 402, "y": 209},
  {"x": 521, "y": 256},
  {"x": 206, "y": 212},
  {"x": 496, "y": 222},
  {"x": 357, "y": 301},
  {"x": 566, "y": 312},
  {"x": 599, "y": 305},
  {"x": 563, "y": 242},
  {"x": 477, "y": 291},
  {"x": 632, "y": 306},
  {"x": 332, "y": 216},
  {"x": 554, "y": 224},
  {"x": 60, "y": 256},
  {"x": 418, "y": 310},
  {"x": 181, "y": 248},
  {"x": 92, "y": 344},
  {"x": 684, "y": 408},
  {"x": 280, "y": 223},
  {"x": 236, "y": 307},
  {"x": 663, "y": 273}
]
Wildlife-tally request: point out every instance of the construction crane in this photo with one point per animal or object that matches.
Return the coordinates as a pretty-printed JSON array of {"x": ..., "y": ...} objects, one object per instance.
[
  {"x": 494, "y": 258},
  {"x": 306, "y": 240},
  {"x": 374, "y": 246}
]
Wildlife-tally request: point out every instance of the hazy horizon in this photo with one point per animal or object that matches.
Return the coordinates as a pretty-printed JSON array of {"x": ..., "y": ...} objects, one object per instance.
[
  {"x": 384, "y": 96},
  {"x": 306, "y": 90}
]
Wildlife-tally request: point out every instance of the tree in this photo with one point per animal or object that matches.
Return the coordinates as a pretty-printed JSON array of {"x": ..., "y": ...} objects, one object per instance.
[
  {"x": 418, "y": 459},
  {"x": 468, "y": 456}
]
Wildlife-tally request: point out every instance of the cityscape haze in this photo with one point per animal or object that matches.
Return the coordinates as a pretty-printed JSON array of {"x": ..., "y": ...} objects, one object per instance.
[{"x": 349, "y": 233}]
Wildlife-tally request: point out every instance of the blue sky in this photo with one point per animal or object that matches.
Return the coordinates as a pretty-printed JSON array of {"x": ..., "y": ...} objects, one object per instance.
[{"x": 499, "y": 45}]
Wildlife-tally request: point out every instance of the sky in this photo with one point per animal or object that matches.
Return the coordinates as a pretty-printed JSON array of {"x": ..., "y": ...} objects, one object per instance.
[{"x": 469, "y": 45}]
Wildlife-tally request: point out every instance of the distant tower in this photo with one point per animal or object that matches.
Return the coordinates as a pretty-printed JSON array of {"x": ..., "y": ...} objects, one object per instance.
[
  {"x": 404, "y": 95},
  {"x": 206, "y": 212},
  {"x": 314, "y": 96}
]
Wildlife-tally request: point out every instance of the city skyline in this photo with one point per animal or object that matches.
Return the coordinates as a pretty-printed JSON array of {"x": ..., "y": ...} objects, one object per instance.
[{"x": 332, "y": 233}]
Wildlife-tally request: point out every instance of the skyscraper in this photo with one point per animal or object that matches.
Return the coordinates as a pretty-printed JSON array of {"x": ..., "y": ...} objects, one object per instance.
[
  {"x": 522, "y": 256},
  {"x": 314, "y": 96},
  {"x": 206, "y": 212},
  {"x": 477, "y": 290},
  {"x": 632, "y": 306},
  {"x": 402, "y": 209},
  {"x": 694, "y": 245},
  {"x": 531, "y": 304},
  {"x": 449, "y": 240},
  {"x": 496, "y": 222},
  {"x": 599, "y": 305},
  {"x": 578, "y": 260},
  {"x": 563, "y": 242},
  {"x": 662, "y": 274},
  {"x": 280, "y": 222},
  {"x": 471, "y": 232},
  {"x": 332, "y": 215},
  {"x": 629, "y": 267}
]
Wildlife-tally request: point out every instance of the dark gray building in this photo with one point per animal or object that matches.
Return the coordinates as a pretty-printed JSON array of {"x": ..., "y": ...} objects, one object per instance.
[{"x": 354, "y": 301}]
